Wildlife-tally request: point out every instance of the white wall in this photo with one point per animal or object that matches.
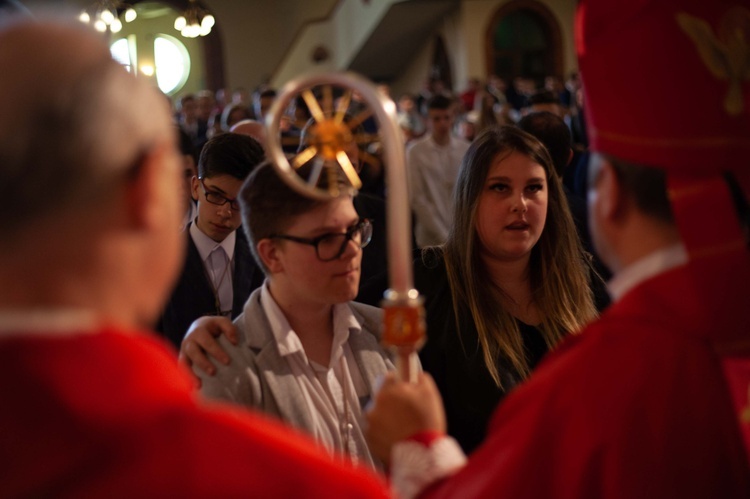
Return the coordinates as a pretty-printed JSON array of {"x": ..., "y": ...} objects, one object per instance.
[
  {"x": 257, "y": 33},
  {"x": 342, "y": 35}
]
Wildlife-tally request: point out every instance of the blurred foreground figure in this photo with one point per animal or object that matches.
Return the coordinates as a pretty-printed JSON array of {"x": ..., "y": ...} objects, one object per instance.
[
  {"x": 92, "y": 407},
  {"x": 650, "y": 401}
]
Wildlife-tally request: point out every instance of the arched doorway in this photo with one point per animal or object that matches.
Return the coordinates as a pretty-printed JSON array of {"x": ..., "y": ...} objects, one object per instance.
[{"x": 523, "y": 39}]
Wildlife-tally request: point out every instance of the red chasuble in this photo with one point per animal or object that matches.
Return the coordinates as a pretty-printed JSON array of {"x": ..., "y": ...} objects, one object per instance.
[{"x": 109, "y": 414}]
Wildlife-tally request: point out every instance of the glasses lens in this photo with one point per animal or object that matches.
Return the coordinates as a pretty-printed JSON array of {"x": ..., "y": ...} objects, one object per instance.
[
  {"x": 365, "y": 228},
  {"x": 214, "y": 198},
  {"x": 331, "y": 246},
  {"x": 218, "y": 199}
]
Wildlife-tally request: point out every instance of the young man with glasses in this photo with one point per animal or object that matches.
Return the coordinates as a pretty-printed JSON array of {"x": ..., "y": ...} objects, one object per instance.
[
  {"x": 306, "y": 353},
  {"x": 219, "y": 272}
]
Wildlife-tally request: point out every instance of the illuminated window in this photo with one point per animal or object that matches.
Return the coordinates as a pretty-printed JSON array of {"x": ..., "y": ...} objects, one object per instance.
[
  {"x": 172, "y": 63},
  {"x": 121, "y": 53}
]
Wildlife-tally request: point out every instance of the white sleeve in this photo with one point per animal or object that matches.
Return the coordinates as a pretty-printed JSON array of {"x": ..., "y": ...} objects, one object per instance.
[{"x": 414, "y": 465}]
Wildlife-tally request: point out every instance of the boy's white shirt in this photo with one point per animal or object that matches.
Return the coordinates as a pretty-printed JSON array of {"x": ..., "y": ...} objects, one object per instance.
[
  {"x": 216, "y": 272},
  {"x": 332, "y": 392}
]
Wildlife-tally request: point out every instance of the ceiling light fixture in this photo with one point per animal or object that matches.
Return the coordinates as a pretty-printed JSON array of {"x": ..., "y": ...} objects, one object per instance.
[
  {"x": 195, "y": 21},
  {"x": 103, "y": 14}
]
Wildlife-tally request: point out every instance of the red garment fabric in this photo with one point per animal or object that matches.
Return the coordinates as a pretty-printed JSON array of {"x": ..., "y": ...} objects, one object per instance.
[
  {"x": 110, "y": 414},
  {"x": 635, "y": 406},
  {"x": 663, "y": 82}
]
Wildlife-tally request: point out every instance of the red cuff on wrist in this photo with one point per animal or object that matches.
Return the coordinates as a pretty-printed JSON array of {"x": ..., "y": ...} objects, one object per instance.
[{"x": 426, "y": 437}]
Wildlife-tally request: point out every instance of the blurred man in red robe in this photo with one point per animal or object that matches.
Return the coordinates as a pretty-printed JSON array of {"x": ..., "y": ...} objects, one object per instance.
[{"x": 92, "y": 406}]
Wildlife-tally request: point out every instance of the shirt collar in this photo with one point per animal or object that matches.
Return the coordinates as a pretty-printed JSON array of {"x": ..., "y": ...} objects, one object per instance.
[
  {"x": 438, "y": 146},
  {"x": 647, "y": 267},
  {"x": 206, "y": 245},
  {"x": 344, "y": 323}
]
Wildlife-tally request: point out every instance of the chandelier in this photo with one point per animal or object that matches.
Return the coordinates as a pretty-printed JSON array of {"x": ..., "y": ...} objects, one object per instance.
[
  {"x": 195, "y": 21},
  {"x": 103, "y": 14}
]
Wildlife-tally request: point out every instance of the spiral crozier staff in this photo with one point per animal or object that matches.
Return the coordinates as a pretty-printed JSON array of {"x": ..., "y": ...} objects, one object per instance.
[{"x": 322, "y": 170}]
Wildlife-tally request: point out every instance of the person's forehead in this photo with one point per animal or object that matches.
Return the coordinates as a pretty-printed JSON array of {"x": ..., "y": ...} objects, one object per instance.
[
  {"x": 515, "y": 164},
  {"x": 223, "y": 182},
  {"x": 438, "y": 113},
  {"x": 332, "y": 215}
]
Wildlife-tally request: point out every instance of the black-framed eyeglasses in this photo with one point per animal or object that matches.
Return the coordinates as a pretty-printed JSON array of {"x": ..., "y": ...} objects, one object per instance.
[
  {"x": 214, "y": 197},
  {"x": 329, "y": 247}
]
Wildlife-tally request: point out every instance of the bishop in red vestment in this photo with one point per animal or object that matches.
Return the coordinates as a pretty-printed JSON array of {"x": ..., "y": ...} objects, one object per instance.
[{"x": 652, "y": 400}]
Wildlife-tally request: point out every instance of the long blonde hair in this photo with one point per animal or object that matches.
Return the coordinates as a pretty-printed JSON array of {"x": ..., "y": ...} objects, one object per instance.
[{"x": 558, "y": 269}]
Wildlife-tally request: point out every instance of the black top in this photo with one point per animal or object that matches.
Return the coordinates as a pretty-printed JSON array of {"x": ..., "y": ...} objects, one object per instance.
[
  {"x": 374, "y": 255},
  {"x": 455, "y": 360}
]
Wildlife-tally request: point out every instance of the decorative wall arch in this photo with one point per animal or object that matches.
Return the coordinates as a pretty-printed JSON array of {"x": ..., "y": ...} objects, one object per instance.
[{"x": 516, "y": 62}]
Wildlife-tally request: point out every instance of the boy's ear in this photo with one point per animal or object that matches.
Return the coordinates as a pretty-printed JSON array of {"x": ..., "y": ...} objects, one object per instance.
[
  {"x": 195, "y": 187},
  {"x": 268, "y": 251}
]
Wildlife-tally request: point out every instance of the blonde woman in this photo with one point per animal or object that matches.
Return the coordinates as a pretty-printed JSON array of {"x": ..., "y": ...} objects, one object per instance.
[{"x": 508, "y": 284}]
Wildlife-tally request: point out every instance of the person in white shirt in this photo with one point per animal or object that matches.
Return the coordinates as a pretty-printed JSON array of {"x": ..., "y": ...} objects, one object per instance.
[
  {"x": 305, "y": 353},
  {"x": 432, "y": 165}
]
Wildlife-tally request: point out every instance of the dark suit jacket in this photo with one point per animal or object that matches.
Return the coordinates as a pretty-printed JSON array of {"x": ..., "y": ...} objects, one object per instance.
[
  {"x": 193, "y": 295},
  {"x": 375, "y": 254}
]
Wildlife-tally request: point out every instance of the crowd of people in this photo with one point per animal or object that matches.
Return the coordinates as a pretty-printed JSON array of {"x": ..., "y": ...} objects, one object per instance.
[{"x": 129, "y": 216}]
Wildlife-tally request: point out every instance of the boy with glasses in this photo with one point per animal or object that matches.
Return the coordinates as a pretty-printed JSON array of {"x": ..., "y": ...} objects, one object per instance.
[
  {"x": 219, "y": 272},
  {"x": 306, "y": 353}
]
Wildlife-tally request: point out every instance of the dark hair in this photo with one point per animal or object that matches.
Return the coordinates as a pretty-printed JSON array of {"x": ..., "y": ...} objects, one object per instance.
[
  {"x": 185, "y": 144},
  {"x": 269, "y": 92},
  {"x": 229, "y": 110},
  {"x": 230, "y": 154},
  {"x": 186, "y": 98},
  {"x": 440, "y": 102},
  {"x": 647, "y": 186},
  {"x": 551, "y": 131},
  {"x": 269, "y": 206},
  {"x": 544, "y": 97}
]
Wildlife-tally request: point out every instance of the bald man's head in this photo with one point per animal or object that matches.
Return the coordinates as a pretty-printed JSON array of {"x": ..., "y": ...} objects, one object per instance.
[
  {"x": 73, "y": 121},
  {"x": 251, "y": 128},
  {"x": 90, "y": 192}
]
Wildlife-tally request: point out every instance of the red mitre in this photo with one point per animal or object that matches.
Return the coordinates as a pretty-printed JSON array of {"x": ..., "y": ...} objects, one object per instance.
[{"x": 667, "y": 84}]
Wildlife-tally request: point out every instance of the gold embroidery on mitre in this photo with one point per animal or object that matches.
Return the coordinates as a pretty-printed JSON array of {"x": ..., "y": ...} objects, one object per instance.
[{"x": 727, "y": 56}]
